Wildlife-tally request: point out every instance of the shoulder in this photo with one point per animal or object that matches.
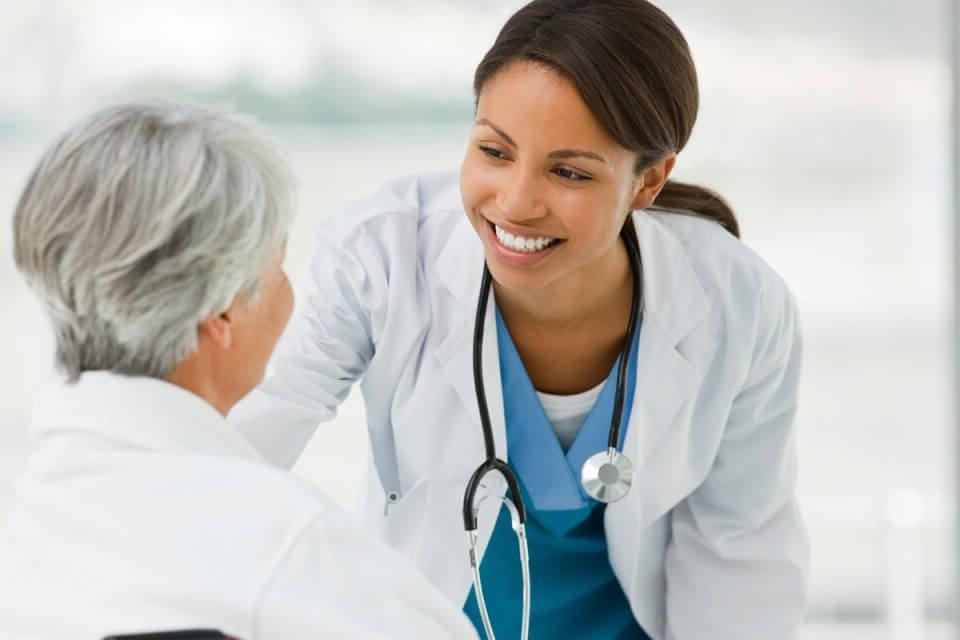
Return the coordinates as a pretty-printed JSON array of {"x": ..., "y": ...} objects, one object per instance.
[
  {"x": 331, "y": 556},
  {"x": 727, "y": 268},
  {"x": 281, "y": 501},
  {"x": 716, "y": 294},
  {"x": 393, "y": 236},
  {"x": 279, "y": 511},
  {"x": 402, "y": 209}
]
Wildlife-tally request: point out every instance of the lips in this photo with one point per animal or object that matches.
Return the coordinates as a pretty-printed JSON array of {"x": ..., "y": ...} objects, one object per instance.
[{"x": 521, "y": 249}]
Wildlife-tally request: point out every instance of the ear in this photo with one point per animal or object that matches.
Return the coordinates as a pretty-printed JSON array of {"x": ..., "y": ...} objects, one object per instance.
[
  {"x": 218, "y": 329},
  {"x": 651, "y": 180}
]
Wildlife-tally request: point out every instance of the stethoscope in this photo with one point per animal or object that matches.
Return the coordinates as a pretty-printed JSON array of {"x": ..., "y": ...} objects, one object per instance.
[{"x": 606, "y": 476}]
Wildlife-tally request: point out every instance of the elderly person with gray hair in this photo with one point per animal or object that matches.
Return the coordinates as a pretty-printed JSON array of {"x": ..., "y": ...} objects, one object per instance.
[{"x": 154, "y": 237}]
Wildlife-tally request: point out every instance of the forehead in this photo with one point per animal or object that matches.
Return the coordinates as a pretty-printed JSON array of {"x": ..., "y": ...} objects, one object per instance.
[{"x": 539, "y": 107}]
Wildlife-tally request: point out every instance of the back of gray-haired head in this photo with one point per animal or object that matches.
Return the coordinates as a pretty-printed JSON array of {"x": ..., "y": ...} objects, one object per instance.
[{"x": 143, "y": 220}]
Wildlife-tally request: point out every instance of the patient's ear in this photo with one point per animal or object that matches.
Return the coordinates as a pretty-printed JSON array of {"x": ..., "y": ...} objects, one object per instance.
[{"x": 218, "y": 329}]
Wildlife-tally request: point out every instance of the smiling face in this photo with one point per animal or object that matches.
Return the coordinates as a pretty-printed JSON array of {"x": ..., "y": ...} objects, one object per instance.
[{"x": 544, "y": 185}]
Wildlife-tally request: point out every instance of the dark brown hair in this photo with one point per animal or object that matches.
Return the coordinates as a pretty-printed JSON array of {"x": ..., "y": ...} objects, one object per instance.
[{"x": 634, "y": 71}]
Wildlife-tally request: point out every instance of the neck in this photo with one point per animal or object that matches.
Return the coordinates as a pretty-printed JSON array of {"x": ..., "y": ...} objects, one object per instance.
[
  {"x": 195, "y": 376},
  {"x": 598, "y": 292}
]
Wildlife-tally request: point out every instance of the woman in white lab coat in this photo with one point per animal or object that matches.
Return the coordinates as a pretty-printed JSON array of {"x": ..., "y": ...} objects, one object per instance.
[
  {"x": 154, "y": 236},
  {"x": 582, "y": 108}
]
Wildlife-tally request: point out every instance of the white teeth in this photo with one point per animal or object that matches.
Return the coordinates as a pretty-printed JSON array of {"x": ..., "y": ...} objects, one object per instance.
[{"x": 521, "y": 244}]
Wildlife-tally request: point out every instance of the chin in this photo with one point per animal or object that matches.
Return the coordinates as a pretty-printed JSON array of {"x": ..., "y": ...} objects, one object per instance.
[{"x": 521, "y": 279}]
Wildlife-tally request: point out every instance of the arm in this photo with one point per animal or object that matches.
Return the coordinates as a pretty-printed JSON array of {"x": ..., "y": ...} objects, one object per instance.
[
  {"x": 325, "y": 348},
  {"x": 737, "y": 562}
]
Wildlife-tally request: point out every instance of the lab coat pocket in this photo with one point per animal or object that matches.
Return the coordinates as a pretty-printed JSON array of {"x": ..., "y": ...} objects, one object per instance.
[{"x": 404, "y": 517}]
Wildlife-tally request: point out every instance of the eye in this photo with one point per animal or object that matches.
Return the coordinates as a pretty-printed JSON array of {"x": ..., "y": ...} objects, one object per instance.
[
  {"x": 570, "y": 174},
  {"x": 494, "y": 153}
]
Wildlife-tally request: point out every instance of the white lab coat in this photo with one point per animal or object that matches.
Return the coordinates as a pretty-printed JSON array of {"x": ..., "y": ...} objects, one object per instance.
[
  {"x": 709, "y": 543},
  {"x": 143, "y": 510}
]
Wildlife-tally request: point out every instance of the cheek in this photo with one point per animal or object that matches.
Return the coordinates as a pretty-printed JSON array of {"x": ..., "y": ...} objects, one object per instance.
[
  {"x": 593, "y": 220},
  {"x": 478, "y": 183},
  {"x": 276, "y": 308},
  {"x": 468, "y": 184},
  {"x": 284, "y": 304}
]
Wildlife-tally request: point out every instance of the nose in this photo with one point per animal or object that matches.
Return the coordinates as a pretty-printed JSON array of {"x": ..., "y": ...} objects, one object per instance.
[{"x": 518, "y": 196}]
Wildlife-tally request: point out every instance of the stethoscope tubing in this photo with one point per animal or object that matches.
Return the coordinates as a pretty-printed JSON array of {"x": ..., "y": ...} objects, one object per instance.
[{"x": 492, "y": 463}]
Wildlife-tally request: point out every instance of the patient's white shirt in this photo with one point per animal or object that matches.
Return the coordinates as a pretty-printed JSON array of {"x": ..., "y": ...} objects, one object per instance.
[{"x": 142, "y": 510}]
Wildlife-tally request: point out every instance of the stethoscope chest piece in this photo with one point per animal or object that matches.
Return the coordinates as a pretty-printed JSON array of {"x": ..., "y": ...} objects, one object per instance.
[{"x": 607, "y": 475}]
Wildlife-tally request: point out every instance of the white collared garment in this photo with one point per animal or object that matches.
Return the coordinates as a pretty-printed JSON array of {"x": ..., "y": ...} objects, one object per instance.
[
  {"x": 142, "y": 510},
  {"x": 708, "y": 543}
]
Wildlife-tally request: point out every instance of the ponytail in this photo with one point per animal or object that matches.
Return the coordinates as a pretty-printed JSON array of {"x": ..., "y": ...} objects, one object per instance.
[{"x": 680, "y": 197}]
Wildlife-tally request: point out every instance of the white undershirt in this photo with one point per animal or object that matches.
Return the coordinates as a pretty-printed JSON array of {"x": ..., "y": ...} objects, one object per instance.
[{"x": 567, "y": 413}]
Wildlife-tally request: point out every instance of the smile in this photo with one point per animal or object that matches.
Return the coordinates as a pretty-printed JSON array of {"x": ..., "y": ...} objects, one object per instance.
[{"x": 523, "y": 244}]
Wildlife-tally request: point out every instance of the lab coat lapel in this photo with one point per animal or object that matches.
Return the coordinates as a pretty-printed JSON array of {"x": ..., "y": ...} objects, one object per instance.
[
  {"x": 460, "y": 266},
  {"x": 456, "y": 359},
  {"x": 665, "y": 381},
  {"x": 675, "y": 303},
  {"x": 461, "y": 269}
]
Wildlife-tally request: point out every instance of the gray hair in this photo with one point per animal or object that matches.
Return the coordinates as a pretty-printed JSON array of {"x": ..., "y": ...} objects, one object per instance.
[{"x": 143, "y": 220}]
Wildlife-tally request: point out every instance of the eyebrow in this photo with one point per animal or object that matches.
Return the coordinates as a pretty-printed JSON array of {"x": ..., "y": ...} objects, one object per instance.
[
  {"x": 563, "y": 154},
  {"x": 560, "y": 154}
]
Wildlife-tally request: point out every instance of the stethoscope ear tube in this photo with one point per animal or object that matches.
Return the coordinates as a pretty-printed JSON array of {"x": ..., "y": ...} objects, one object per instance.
[
  {"x": 636, "y": 308},
  {"x": 488, "y": 443},
  {"x": 492, "y": 462}
]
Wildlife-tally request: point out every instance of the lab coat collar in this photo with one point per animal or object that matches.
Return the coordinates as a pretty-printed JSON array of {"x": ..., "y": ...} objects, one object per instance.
[
  {"x": 140, "y": 413},
  {"x": 460, "y": 266},
  {"x": 674, "y": 297}
]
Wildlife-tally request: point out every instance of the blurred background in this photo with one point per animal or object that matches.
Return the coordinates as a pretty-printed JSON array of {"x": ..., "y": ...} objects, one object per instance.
[{"x": 826, "y": 124}]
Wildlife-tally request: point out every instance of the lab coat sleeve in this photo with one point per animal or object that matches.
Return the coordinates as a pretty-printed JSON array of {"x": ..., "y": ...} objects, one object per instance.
[
  {"x": 737, "y": 561},
  {"x": 326, "y": 346},
  {"x": 334, "y": 580}
]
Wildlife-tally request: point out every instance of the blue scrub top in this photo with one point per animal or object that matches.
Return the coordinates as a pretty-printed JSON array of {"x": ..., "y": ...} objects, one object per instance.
[{"x": 574, "y": 593}]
